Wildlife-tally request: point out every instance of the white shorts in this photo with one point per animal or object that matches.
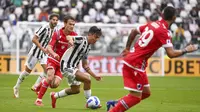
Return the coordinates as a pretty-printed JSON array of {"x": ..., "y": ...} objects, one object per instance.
[
  {"x": 31, "y": 61},
  {"x": 70, "y": 75}
]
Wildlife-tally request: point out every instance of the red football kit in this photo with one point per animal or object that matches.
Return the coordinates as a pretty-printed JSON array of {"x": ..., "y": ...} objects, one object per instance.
[
  {"x": 60, "y": 45},
  {"x": 153, "y": 36}
]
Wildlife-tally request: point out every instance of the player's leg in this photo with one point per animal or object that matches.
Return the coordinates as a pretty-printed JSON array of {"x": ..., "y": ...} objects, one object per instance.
[
  {"x": 57, "y": 78},
  {"x": 133, "y": 81},
  {"x": 43, "y": 63},
  {"x": 146, "y": 92},
  {"x": 74, "y": 89},
  {"x": 45, "y": 84},
  {"x": 29, "y": 65},
  {"x": 82, "y": 77}
]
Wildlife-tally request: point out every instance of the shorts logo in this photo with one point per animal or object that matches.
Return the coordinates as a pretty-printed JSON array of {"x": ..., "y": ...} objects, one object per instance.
[
  {"x": 62, "y": 47},
  {"x": 139, "y": 86}
]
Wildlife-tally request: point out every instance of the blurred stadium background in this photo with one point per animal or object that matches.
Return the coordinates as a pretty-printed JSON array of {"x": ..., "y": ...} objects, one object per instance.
[{"x": 20, "y": 18}]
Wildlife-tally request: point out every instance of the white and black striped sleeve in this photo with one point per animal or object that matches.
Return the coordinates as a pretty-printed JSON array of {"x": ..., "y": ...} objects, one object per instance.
[{"x": 78, "y": 39}]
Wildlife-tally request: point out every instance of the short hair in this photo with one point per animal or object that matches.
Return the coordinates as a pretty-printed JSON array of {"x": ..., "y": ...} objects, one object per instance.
[
  {"x": 95, "y": 30},
  {"x": 169, "y": 12},
  {"x": 68, "y": 17},
  {"x": 53, "y": 15}
]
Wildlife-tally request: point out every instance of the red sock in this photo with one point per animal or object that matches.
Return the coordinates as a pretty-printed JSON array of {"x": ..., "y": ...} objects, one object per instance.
[
  {"x": 125, "y": 103},
  {"x": 145, "y": 95},
  {"x": 43, "y": 89},
  {"x": 39, "y": 86}
]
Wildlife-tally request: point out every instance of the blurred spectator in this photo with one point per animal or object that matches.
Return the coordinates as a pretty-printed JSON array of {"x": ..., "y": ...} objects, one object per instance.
[
  {"x": 179, "y": 36},
  {"x": 5, "y": 4},
  {"x": 43, "y": 16},
  {"x": 194, "y": 12},
  {"x": 196, "y": 37},
  {"x": 17, "y": 3}
]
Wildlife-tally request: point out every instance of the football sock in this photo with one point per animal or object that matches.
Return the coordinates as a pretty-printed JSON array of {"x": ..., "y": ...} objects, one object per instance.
[
  {"x": 43, "y": 75},
  {"x": 125, "y": 103},
  {"x": 60, "y": 94},
  {"x": 21, "y": 78},
  {"x": 87, "y": 93},
  {"x": 38, "y": 86},
  {"x": 43, "y": 89},
  {"x": 145, "y": 95}
]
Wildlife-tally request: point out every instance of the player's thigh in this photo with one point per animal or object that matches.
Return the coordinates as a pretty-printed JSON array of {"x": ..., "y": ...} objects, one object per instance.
[
  {"x": 146, "y": 88},
  {"x": 31, "y": 62},
  {"x": 43, "y": 60},
  {"x": 50, "y": 73},
  {"x": 80, "y": 76}
]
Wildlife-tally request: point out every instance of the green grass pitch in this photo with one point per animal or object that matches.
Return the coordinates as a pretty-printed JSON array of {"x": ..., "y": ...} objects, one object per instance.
[{"x": 169, "y": 94}]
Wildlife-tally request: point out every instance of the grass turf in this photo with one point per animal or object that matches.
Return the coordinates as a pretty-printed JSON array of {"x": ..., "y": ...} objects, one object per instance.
[{"x": 169, "y": 94}]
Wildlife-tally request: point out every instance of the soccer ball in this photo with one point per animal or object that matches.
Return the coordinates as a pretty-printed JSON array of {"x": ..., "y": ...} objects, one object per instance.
[{"x": 93, "y": 102}]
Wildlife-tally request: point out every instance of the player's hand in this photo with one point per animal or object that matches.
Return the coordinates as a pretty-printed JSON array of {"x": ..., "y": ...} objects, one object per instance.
[
  {"x": 97, "y": 77},
  {"x": 70, "y": 40},
  {"x": 191, "y": 48},
  {"x": 124, "y": 52},
  {"x": 56, "y": 56},
  {"x": 45, "y": 51}
]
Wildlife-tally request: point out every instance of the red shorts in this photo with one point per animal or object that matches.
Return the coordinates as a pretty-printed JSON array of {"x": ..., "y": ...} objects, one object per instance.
[
  {"x": 134, "y": 80},
  {"x": 52, "y": 64}
]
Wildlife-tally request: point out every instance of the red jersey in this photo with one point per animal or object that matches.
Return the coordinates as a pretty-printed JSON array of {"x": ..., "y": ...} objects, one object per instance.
[
  {"x": 59, "y": 42},
  {"x": 153, "y": 36}
]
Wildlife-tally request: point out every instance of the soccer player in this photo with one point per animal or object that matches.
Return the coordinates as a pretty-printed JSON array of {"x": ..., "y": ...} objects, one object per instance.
[
  {"x": 153, "y": 36},
  {"x": 56, "y": 48},
  {"x": 69, "y": 65},
  {"x": 38, "y": 52}
]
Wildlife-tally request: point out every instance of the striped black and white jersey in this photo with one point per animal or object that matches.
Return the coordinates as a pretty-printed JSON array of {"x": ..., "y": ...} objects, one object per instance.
[
  {"x": 75, "y": 54},
  {"x": 44, "y": 34}
]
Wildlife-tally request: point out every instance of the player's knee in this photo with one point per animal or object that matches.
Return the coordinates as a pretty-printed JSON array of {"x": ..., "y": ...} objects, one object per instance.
[
  {"x": 87, "y": 81},
  {"x": 145, "y": 95},
  {"x": 54, "y": 85}
]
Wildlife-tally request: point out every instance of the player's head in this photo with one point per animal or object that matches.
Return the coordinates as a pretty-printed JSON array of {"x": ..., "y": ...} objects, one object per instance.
[
  {"x": 94, "y": 34},
  {"x": 53, "y": 19},
  {"x": 69, "y": 23},
  {"x": 169, "y": 14}
]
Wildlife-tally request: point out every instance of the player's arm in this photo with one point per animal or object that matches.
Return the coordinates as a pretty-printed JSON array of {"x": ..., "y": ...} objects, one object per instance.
[
  {"x": 70, "y": 39},
  {"x": 37, "y": 43},
  {"x": 88, "y": 70},
  {"x": 172, "y": 53},
  {"x": 50, "y": 46},
  {"x": 131, "y": 37}
]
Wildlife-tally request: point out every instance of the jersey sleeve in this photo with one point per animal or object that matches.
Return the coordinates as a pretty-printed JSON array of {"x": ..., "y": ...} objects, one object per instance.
[
  {"x": 165, "y": 39},
  {"x": 78, "y": 39},
  {"x": 53, "y": 39},
  {"x": 141, "y": 28},
  {"x": 41, "y": 31}
]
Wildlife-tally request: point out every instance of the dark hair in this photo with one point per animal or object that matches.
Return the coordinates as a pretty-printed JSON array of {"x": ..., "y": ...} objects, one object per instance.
[
  {"x": 66, "y": 18},
  {"x": 169, "y": 12},
  {"x": 53, "y": 15},
  {"x": 95, "y": 30}
]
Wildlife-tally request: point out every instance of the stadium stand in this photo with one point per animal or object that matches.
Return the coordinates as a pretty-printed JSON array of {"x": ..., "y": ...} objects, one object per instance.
[{"x": 185, "y": 30}]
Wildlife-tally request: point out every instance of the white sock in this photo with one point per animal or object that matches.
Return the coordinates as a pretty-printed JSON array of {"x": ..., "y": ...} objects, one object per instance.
[
  {"x": 37, "y": 82},
  {"x": 21, "y": 78},
  {"x": 87, "y": 93},
  {"x": 60, "y": 94}
]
